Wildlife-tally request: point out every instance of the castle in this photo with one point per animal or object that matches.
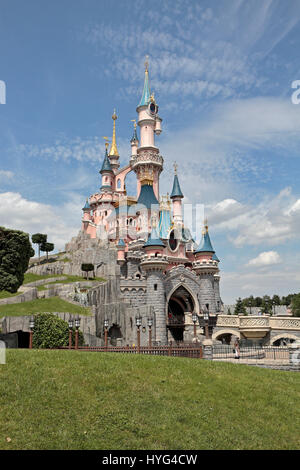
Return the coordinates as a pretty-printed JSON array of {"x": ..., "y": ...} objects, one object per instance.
[{"x": 160, "y": 264}]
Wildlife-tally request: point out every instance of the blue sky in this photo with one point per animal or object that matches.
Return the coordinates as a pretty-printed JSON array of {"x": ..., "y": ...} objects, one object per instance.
[{"x": 222, "y": 74}]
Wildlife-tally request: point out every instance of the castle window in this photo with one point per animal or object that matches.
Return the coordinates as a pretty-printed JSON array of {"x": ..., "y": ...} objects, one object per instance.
[
  {"x": 119, "y": 184},
  {"x": 155, "y": 286}
]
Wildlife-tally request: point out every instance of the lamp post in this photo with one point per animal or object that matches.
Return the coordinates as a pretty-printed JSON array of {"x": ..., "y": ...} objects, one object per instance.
[
  {"x": 31, "y": 326},
  {"x": 77, "y": 325},
  {"x": 206, "y": 319},
  {"x": 150, "y": 323},
  {"x": 274, "y": 303},
  {"x": 70, "y": 331},
  {"x": 194, "y": 319},
  {"x": 105, "y": 332},
  {"x": 138, "y": 321},
  {"x": 250, "y": 305}
]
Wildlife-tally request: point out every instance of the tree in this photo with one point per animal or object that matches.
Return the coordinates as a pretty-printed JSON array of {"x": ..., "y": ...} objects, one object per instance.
[
  {"x": 87, "y": 267},
  {"x": 39, "y": 239},
  {"x": 51, "y": 331},
  {"x": 296, "y": 305},
  {"x": 239, "y": 307},
  {"x": 47, "y": 247},
  {"x": 15, "y": 253}
]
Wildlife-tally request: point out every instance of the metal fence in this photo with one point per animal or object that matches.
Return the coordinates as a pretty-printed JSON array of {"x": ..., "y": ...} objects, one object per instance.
[
  {"x": 177, "y": 350},
  {"x": 268, "y": 353}
]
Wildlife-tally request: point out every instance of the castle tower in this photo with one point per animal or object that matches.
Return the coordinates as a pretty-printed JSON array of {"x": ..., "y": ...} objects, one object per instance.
[
  {"x": 134, "y": 141},
  {"x": 107, "y": 172},
  {"x": 147, "y": 159},
  {"x": 206, "y": 268},
  {"x": 113, "y": 153},
  {"x": 154, "y": 263},
  {"x": 176, "y": 196},
  {"x": 86, "y": 215}
]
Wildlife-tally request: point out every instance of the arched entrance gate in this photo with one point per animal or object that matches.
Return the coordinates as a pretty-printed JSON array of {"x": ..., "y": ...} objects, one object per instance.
[{"x": 180, "y": 302}]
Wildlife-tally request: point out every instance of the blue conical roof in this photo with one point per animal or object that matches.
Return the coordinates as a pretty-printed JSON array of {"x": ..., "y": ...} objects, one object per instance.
[
  {"x": 147, "y": 197},
  {"x": 121, "y": 242},
  {"x": 205, "y": 245},
  {"x": 87, "y": 206},
  {"x": 146, "y": 91},
  {"x": 134, "y": 137},
  {"x": 215, "y": 258},
  {"x": 106, "y": 166},
  {"x": 154, "y": 239},
  {"x": 176, "y": 191}
]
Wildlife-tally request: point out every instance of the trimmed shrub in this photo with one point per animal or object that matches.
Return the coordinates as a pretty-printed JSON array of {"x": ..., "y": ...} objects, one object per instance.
[
  {"x": 51, "y": 331},
  {"x": 15, "y": 253}
]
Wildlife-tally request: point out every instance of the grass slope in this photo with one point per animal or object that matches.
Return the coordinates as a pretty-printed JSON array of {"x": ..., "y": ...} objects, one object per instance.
[
  {"x": 30, "y": 277},
  {"x": 77, "y": 400},
  {"x": 51, "y": 304}
]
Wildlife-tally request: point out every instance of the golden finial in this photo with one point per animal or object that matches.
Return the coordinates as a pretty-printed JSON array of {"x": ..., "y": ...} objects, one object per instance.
[
  {"x": 113, "y": 149},
  {"x": 175, "y": 167},
  {"x": 134, "y": 122},
  {"x": 106, "y": 141},
  {"x": 205, "y": 225},
  {"x": 146, "y": 63}
]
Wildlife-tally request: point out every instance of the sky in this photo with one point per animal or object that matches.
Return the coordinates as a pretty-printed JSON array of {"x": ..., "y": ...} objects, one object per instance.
[{"x": 222, "y": 73}]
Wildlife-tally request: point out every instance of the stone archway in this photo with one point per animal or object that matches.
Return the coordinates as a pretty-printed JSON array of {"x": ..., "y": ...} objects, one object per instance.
[
  {"x": 280, "y": 339},
  {"x": 225, "y": 333},
  {"x": 180, "y": 301}
]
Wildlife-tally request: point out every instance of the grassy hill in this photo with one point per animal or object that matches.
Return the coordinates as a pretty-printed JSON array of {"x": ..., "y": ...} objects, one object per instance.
[
  {"x": 50, "y": 304},
  {"x": 78, "y": 400}
]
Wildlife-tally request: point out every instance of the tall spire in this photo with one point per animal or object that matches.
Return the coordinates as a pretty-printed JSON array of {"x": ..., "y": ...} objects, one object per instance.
[
  {"x": 113, "y": 149},
  {"x": 176, "y": 191},
  {"x": 146, "y": 91}
]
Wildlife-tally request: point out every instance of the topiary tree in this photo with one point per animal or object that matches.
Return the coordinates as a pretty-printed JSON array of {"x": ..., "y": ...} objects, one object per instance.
[
  {"x": 39, "y": 239},
  {"x": 47, "y": 247},
  {"x": 15, "y": 253},
  {"x": 87, "y": 267},
  {"x": 239, "y": 307},
  {"x": 51, "y": 331}
]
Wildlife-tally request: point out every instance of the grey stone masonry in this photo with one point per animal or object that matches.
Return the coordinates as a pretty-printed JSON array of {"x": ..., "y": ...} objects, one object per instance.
[
  {"x": 156, "y": 298},
  {"x": 207, "y": 291}
]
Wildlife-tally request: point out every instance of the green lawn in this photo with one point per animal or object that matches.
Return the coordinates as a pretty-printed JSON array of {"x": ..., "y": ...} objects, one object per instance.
[
  {"x": 51, "y": 304},
  {"x": 4, "y": 294},
  {"x": 30, "y": 277},
  {"x": 78, "y": 400}
]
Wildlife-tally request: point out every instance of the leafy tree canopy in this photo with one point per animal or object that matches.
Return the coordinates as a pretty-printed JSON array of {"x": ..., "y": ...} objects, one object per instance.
[{"x": 15, "y": 253}]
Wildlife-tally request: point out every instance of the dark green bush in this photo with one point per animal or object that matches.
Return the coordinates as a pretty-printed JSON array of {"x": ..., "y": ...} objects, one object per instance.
[
  {"x": 15, "y": 253},
  {"x": 51, "y": 331}
]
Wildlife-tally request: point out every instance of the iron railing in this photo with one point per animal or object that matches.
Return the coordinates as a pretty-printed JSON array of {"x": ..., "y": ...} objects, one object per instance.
[
  {"x": 268, "y": 353},
  {"x": 175, "y": 350}
]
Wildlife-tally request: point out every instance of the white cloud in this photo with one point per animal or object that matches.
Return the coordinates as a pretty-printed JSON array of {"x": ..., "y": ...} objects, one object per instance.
[
  {"x": 266, "y": 258},
  {"x": 59, "y": 223}
]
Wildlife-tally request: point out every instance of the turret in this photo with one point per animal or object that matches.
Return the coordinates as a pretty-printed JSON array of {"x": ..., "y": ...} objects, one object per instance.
[
  {"x": 113, "y": 153},
  {"x": 206, "y": 268},
  {"x": 147, "y": 154},
  {"x": 176, "y": 196},
  {"x": 86, "y": 215},
  {"x": 107, "y": 172},
  {"x": 153, "y": 264},
  {"x": 134, "y": 141}
]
